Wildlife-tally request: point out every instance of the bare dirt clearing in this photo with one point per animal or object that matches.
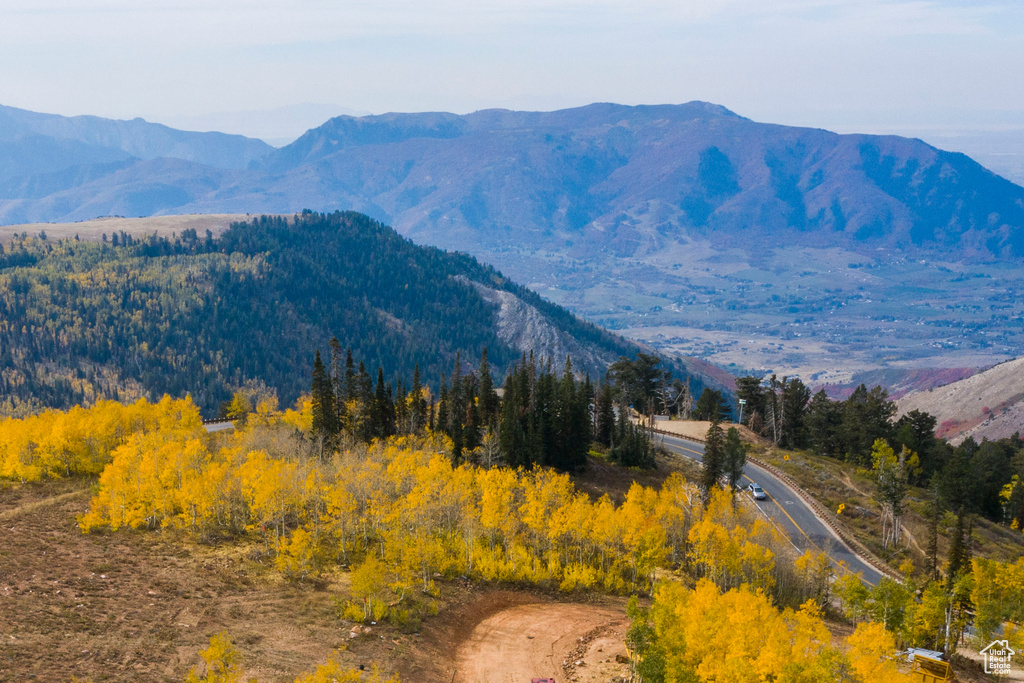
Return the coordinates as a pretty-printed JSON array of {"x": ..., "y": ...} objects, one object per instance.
[{"x": 537, "y": 640}]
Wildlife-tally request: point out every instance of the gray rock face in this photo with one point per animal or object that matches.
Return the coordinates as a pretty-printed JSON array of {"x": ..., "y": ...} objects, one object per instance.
[{"x": 523, "y": 327}]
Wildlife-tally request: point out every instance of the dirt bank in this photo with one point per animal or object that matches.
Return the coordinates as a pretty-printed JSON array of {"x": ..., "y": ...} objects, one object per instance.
[{"x": 556, "y": 640}]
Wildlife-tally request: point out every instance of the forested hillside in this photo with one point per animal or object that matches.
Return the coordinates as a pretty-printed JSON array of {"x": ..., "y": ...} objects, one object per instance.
[{"x": 131, "y": 317}]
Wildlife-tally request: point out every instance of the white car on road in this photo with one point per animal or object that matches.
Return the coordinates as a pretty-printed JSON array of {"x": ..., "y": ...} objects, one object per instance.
[{"x": 757, "y": 492}]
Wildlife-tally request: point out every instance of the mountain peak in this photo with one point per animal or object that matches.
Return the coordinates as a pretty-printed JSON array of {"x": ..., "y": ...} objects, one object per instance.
[{"x": 605, "y": 176}]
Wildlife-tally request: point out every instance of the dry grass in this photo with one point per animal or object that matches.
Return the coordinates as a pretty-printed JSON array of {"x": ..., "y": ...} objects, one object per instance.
[
  {"x": 133, "y": 606},
  {"x": 93, "y": 230}
]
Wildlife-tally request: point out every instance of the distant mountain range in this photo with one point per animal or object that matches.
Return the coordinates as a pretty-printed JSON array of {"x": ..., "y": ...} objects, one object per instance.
[
  {"x": 604, "y": 177},
  {"x": 756, "y": 246}
]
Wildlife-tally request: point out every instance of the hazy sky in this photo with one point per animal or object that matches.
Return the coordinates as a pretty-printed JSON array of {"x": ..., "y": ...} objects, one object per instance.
[{"x": 843, "y": 64}]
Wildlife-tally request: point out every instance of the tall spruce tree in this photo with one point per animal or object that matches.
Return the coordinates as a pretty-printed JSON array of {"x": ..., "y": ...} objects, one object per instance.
[
  {"x": 417, "y": 403},
  {"x": 401, "y": 405},
  {"x": 337, "y": 379},
  {"x": 456, "y": 411},
  {"x": 325, "y": 423},
  {"x": 795, "y": 396},
  {"x": 442, "y": 421},
  {"x": 713, "y": 460},
  {"x": 932, "y": 550},
  {"x": 513, "y": 431},
  {"x": 488, "y": 397},
  {"x": 572, "y": 424},
  {"x": 823, "y": 420},
  {"x": 605, "y": 418},
  {"x": 351, "y": 388},
  {"x": 957, "y": 560},
  {"x": 735, "y": 458},
  {"x": 750, "y": 390},
  {"x": 364, "y": 427},
  {"x": 382, "y": 410}
]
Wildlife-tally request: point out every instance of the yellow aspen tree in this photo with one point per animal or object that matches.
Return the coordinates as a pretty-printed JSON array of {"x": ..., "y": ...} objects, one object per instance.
[
  {"x": 872, "y": 651},
  {"x": 223, "y": 662},
  {"x": 368, "y": 581}
]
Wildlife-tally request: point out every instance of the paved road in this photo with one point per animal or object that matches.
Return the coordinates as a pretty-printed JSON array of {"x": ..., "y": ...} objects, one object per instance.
[{"x": 789, "y": 512}]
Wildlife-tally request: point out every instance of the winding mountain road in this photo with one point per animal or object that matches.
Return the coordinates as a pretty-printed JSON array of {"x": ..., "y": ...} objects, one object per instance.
[{"x": 790, "y": 513}]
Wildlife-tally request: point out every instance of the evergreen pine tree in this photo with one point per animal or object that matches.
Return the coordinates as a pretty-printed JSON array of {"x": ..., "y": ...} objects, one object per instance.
[
  {"x": 572, "y": 426},
  {"x": 471, "y": 426},
  {"x": 605, "y": 417},
  {"x": 456, "y": 411},
  {"x": 351, "y": 392},
  {"x": 389, "y": 412},
  {"x": 402, "y": 424},
  {"x": 713, "y": 460},
  {"x": 544, "y": 426},
  {"x": 417, "y": 404},
  {"x": 488, "y": 397},
  {"x": 823, "y": 421},
  {"x": 381, "y": 415},
  {"x": 442, "y": 420},
  {"x": 325, "y": 423},
  {"x": 958, "y": 552},
  {"x": 337, "y": 379},
  {"x": 932, "y": 551},
  {"x": 735, "y": 458},
  {"x": 365, "y": 428},
  {"x": 512, "y": 429}
]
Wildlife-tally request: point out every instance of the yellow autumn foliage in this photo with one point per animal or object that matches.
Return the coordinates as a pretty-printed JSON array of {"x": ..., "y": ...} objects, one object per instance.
[
  {"x": 739, "y": 636},
  {"x": 81, "y": 441},
  {"x": 405, "y": 503}
]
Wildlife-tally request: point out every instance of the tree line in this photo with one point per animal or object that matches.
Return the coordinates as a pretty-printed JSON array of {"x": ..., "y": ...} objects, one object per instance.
[{"x": 543, "y": 418}]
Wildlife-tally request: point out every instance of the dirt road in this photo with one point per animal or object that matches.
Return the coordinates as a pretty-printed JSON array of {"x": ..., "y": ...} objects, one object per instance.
[{"x": 536, "y": 641}]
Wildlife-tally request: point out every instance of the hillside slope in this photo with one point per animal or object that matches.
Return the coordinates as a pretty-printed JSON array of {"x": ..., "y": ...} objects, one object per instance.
[
  {"x": 987, "y": 405},
  {"x": 204, "y": 315}
]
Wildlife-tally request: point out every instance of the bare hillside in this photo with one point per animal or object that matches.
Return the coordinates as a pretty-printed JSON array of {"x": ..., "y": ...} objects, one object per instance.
[{"x": 989, "y": 404}]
